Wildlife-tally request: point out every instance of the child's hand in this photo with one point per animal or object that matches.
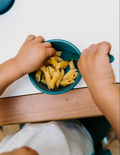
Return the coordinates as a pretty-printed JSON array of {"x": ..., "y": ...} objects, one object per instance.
[
  {"x": 33, "y": 53},
  {"x": 95, "y": 67},
  {"x": 21, "y": 151}
]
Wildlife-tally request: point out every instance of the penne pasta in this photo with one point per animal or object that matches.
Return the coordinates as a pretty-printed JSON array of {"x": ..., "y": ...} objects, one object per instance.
[
  {"x": 60, "y": 78},
  {"x": 38, "y": 75},
  {"x": 52, "y": 70},
  {"x": 72, "y": 65},
  {"x": 48, "y": 77},
  {"x": 58, "y": 59},
  {"x": 54, "y": 62},
  {"x": 58, "y": 53},
  {"x": 43, "y": 75},
  {"x": 62, "y": 64},
  {"x": 73, "y": 75},
  {"x": 49, "y": 61},
  {"x": 44, "y": 81},
  {"x": 54, "y": 79},
  {"x": 66, "y": 76},
  {"x": 66, "y": 82},
  {"x": 43, "y": 68}
]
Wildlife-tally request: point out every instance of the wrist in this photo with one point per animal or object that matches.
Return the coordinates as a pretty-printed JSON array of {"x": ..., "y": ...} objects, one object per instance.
[
  {"x": 18, "y": 66},
  {"x": 104, "y": 93},
  {"x": 10, "y": 72},
  {"x": 101, "y": 89},
  {"x": 13, "y": 69}
]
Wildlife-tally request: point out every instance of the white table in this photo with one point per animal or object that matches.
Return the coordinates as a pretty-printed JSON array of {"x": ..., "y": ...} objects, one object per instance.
[{"x": 82, "y": 22}]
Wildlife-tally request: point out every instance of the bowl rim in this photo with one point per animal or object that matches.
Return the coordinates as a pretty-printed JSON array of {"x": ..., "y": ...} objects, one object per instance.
[
  {"x": 59, "y": 92},
  {"x": 7, "y": 8},
  {"x": 65, "y": 90},
  {"x": 64, "y": 41}
]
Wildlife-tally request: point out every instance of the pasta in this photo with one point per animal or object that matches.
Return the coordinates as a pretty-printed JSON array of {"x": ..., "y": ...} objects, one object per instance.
[
  {"x": 48, "y": 77},
  {"x": 52, "y": 70},
  {"x": 72, "y": 65},
  {"x": 60, "y": 78},
  {"x": 66, "y": 76},
  {"x": 58, "y": 53},
  {"x": 54, "y": 79},
  {"x": 58, "y": 59},
  {"x": 73, "y": 75},
  {"x": 54, "y": 62},
  {"x": 52, "y": 73},
  {"x": 43, "y": 75},
  {"x": 44, "y": 81},
  {"x": 66, "y": 82},
  {"x": 38, "y": 75},
  {"x": 49, "y": 61},
  {"x": 43, "y": 68},
  {"x": 62, "y": 64}
]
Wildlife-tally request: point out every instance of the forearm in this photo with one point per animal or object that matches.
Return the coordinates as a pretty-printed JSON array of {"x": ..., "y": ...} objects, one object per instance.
[
  {"x": 9, "y": 72},
  {"x": 108, "y": 102}
]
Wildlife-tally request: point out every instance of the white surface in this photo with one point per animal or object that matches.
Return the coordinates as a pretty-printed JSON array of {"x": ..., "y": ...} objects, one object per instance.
[{"x": 82, "y": 22}]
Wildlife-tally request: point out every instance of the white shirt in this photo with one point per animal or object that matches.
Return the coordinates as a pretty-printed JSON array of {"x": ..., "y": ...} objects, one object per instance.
[{"x": 51, "y": 138}]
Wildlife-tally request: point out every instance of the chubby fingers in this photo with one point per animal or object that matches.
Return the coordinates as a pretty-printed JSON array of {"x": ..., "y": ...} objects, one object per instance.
[
  {"x": 47, "y": 44},
  {"x": 89, "y": 50},
  {"x": 100, "y": 49},
  {"x": 50, "y": 52},
  {"x": 39, "y": 39},
  {"x": 104, "y": 48},
  {"x": 30, "y": 38}
]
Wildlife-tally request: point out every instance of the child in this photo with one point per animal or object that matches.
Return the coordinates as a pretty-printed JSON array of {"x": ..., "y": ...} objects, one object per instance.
[{"x": 68, "y": 137}]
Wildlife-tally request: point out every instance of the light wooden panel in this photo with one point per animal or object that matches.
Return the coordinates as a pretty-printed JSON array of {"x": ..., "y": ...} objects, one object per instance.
[{"x": 76, "y": 103}]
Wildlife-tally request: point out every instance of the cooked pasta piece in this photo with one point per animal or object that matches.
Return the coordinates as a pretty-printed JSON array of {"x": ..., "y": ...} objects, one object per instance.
[
  {"x": 72, "y": 65},
  {"x": 44, "y": 81},
  {"x": 38, "y": 75},
  {"x": 43, "y": 68},
  {"x": 58, "y": 59},
  {"x": 66, "y": 76},
  {"x": 49, "y": 61},
  {"x": 66, "y": 82},
  {"x": 43, "y": 75},
  {"x": 60, "y": 78},
  {"x": 54, "y": 62},
  {"x": 54, "y": 79},
  {"x": 58, "y": 53},
  {"x": 52, "y": 70},
  {"x": 48, "y": 77},
  {"x": 73, "y": 75},
  {"x": 62, "y": 64}
]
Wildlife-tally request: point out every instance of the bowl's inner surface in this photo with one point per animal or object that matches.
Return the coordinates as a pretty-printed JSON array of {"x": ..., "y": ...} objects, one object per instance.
[{"x": 58, "y": 46}]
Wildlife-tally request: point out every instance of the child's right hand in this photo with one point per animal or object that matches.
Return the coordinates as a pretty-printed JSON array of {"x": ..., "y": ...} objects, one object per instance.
[{"x": 95, "y": 67}]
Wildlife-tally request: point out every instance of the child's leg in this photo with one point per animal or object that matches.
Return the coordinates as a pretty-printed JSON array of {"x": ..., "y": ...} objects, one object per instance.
[{"x": 98, "y": 127}]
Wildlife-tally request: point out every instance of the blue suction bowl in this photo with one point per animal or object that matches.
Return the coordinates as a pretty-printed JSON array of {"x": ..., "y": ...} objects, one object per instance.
[
  {"x": 58, "y": 45},
  {"x": 5, "y": 5}
]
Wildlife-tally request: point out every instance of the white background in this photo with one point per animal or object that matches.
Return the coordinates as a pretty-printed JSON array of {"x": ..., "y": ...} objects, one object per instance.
[{"x": 82, "y": 22}]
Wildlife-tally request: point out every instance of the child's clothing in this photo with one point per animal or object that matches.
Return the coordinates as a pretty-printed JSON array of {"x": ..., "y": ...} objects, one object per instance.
[{"x": 52, "y": 138}]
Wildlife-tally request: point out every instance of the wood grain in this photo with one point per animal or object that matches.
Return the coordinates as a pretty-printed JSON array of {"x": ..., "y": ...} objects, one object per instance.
[{"x": 76, "y": 103}]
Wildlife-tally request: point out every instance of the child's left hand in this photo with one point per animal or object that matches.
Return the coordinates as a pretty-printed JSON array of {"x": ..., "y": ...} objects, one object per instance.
[{"x": 33, "y": 53}]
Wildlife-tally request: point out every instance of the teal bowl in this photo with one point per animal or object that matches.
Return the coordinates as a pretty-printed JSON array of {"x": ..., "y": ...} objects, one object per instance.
[{"x": 58, "y": 45}]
